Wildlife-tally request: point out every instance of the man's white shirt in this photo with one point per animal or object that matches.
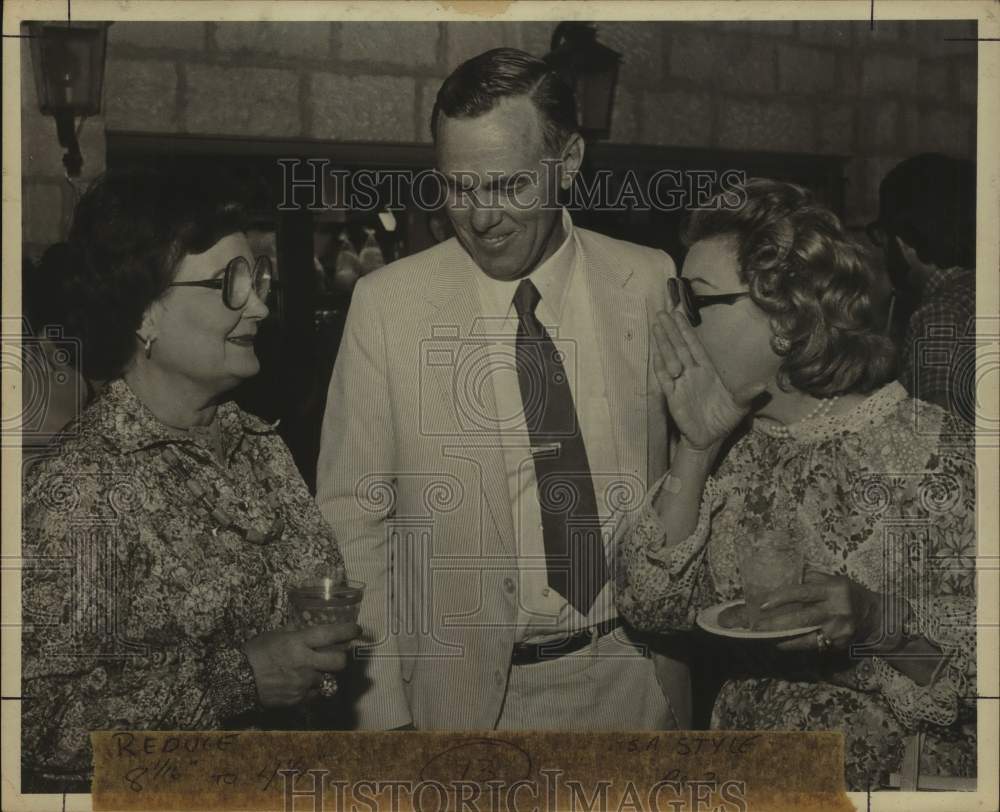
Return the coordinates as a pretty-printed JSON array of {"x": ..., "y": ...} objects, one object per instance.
[{"x": 565, "y": 311}]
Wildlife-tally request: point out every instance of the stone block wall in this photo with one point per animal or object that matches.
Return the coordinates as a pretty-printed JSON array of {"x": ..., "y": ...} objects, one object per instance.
[{"x": 804, "y": 87}]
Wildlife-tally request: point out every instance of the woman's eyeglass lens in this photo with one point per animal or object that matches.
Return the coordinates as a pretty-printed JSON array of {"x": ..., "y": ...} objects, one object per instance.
[
  {"x": 681, "y": 291},
  {"x": 239, "y": 281}
]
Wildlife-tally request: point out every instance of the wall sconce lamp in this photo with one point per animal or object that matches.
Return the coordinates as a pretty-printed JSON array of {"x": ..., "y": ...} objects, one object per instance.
[
  {"x": 68, "y": 63},
  {"x": 591, "y": 69}
]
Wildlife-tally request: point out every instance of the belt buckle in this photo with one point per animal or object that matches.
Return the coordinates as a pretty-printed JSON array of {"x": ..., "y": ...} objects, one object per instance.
[{"x": 553, "y": 649}]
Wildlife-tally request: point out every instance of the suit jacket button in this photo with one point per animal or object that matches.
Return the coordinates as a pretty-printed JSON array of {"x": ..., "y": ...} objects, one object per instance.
[{"x": 508, "y": 584}]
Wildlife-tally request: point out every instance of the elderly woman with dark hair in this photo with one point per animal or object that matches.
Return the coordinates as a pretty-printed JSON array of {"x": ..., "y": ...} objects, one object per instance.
[
  {"x": 775, "y": 371},
  {"x": 161, "y": 535}
]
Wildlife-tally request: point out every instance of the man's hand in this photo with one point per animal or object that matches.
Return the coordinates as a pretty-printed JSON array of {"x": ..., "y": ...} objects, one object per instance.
[{"x": 288, "y": 664}]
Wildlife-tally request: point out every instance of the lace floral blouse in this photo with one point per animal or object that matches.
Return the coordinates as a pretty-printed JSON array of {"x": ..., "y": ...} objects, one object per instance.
[
  {"x": 150, "y": 556},
  {"x": 884, "y": 495}
]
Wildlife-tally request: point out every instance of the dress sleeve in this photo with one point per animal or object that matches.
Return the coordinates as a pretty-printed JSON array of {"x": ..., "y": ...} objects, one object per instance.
[
  {"x": 86, "y": 663},
  {"x": 230, "y": 686},
  {"x": 661, "y": 586},
  {"x": 939, "y": 570},
  {"x": 73, "y": 582},
  {"x": 308, "y": 517}
]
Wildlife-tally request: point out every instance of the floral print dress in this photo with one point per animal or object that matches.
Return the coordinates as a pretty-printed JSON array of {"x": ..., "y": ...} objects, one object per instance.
[
  {"x": 884, "y": 495},
  {"x": 150, "y": 556}
]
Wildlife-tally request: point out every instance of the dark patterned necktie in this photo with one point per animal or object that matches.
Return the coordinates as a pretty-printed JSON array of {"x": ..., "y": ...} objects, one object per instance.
[{"x": 574, "y": 552}]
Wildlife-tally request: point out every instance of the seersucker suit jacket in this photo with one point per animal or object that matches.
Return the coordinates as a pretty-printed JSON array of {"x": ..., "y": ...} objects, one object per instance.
[{"x": 411, "y": 473}]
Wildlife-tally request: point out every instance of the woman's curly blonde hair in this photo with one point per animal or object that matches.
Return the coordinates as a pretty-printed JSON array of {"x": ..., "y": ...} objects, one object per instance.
[{"x": 826, "y": 303}]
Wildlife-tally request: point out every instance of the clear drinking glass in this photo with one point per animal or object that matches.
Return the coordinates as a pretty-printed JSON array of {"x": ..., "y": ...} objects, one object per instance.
[
  {"x": 325, "y": 600},
  {"x": 768, "y": 559}
]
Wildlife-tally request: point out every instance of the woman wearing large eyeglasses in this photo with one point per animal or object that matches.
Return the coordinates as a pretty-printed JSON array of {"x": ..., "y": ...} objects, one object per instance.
[
  {"x": 777, "y": 375},
  {"x": 161, "y": 533}
]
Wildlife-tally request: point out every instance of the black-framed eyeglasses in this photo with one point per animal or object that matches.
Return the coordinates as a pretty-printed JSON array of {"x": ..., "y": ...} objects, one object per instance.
[
  {"x": 876, "y": 233},
  {"x": 237, "y": 281},
  {"x": 681, "y": 292}
]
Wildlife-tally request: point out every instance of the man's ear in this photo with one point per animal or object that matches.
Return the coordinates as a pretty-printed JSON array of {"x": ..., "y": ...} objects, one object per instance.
[{"x": 572, "y": 160}]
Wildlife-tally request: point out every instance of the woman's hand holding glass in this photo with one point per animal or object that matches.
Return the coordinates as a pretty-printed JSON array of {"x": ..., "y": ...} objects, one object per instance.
[
  {"x": 289, "y": 664},
  {"x": 705, "y": 411},
  {"x": 329, "y": 599},
  {"x": 847, "y": 611}
]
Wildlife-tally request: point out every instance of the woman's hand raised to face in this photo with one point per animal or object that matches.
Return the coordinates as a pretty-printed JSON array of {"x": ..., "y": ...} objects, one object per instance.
[
  {"x": 705, "y": 411},
  {"x": 288, "y": 664}
]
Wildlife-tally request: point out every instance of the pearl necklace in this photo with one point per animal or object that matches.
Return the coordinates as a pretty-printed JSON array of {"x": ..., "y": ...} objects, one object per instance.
[{"x": 821, "y": 409}]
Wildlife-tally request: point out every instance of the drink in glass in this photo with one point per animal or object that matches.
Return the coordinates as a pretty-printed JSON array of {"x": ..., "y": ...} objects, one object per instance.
[
  {"x": 325, "y": 600},
  {"x": 768, "y": 560}
]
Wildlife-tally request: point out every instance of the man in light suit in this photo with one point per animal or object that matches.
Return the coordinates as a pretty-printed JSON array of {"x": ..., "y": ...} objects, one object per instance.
[{"x": 491, "y": 419}]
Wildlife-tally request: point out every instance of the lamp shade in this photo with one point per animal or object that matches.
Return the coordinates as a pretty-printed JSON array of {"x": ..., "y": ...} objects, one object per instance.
[
  {"x": 591, "y": 69},
  {"x": 68, "y": 63}
]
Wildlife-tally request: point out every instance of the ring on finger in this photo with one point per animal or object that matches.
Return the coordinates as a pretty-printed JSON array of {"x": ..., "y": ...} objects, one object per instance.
[
  {"x": 328, "y": 686},
  {"x": 823, "y": 643}
]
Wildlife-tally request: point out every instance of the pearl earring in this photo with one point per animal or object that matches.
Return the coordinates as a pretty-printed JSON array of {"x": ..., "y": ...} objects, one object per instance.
[{"x": 149, "y": 347}]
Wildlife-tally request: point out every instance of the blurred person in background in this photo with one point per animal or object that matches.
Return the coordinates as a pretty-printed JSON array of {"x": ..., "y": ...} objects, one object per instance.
[{"x": 927, "y": 227}]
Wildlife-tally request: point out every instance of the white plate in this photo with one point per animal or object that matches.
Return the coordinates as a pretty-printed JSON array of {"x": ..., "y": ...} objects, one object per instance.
[{"x": 708, "y": 619}]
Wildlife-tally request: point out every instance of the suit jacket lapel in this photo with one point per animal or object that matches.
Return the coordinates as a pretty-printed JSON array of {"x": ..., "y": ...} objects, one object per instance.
[
  {"x": 623, "y": 336},
  {"x": 450, "y": 364}
]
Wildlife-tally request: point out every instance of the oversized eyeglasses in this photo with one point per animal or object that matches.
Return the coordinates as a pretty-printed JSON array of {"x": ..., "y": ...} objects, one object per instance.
[
  {"x": 237, "y": 281},
  {"x": 682, "y": 293}
]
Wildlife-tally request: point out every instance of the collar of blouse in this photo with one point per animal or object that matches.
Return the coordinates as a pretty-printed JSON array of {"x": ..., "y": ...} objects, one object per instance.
[
  {"x": 870, "y": 411},
  {"x": 125, "y": 421}
]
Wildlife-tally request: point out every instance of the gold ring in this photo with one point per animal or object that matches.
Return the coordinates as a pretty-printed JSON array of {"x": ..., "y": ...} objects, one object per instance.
[{"x": 328, "y": 687}]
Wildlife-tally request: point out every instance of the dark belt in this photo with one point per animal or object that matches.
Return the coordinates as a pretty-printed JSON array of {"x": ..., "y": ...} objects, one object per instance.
[{"x": 530, "y": 653}]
